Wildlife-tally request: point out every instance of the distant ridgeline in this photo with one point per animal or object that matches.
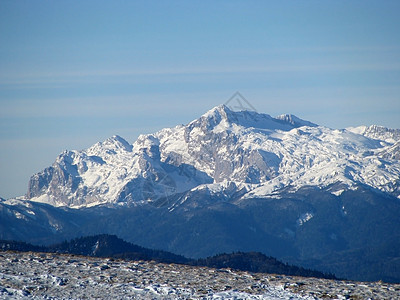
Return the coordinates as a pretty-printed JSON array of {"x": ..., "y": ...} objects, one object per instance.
[{"x": 111, "y": 246}]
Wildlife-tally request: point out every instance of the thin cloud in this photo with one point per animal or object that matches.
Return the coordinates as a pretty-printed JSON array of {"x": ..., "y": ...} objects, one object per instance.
[{"x": 58, "y": 79}]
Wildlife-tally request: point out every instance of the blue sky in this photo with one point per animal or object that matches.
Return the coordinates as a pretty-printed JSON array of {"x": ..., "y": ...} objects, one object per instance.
[{"x": 76, "y": 72}]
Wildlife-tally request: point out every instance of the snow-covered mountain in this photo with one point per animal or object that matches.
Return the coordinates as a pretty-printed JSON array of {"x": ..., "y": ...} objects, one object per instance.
[{"x": 224, "y": 151}]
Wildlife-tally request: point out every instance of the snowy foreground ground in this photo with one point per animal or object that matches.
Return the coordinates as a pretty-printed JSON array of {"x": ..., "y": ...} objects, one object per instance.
[{"x": 52, "y": 276}]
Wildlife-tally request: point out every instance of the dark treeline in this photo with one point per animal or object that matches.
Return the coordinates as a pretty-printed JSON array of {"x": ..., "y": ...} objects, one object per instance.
[
  {"x": 111, "y": 246},
  {"x": 257, "y": 262}
]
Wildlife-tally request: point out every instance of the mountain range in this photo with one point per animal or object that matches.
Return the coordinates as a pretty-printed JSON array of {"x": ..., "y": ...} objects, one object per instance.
[{"x": 323, "y": 198}]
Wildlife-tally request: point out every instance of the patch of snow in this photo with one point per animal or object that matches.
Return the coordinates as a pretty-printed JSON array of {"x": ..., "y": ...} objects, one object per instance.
[
  {"x": 18, "y": 215},
  {"x": 338, "y": 192},
  {"x": 95, "y": 247},
  {"x": 344, "y": 212},
  {"x": 304, "y": 218},
  {"x": 44, "y": 198}
]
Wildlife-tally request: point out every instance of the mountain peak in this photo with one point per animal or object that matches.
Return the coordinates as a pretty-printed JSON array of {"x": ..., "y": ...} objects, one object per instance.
[
  {"x": 249, "y": 119},
  {"x": 219, "y": 112},
  {"x": 112, "y": 143},
  {"x": 117, "y": 140}
]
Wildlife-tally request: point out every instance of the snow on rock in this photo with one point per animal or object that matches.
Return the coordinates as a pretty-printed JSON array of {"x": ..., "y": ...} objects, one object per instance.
[
  {"x": 250, "y": 149},
  {"x": 52, "y": 276}
]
